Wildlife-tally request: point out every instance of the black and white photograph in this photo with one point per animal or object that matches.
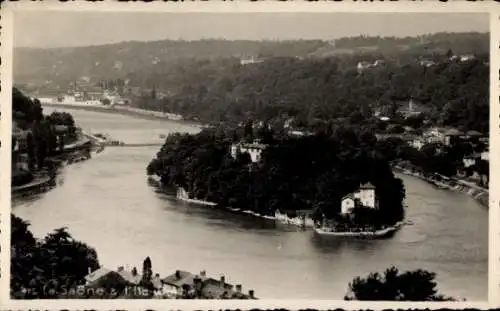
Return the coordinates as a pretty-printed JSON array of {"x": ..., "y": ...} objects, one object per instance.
[{"x": 250, "y": 155}]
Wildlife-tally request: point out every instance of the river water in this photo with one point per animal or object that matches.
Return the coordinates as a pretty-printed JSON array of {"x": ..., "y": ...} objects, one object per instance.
[{"x": 107, "y": 203}]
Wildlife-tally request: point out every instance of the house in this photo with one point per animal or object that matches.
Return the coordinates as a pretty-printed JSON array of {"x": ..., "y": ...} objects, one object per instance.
[
  {"x": 186, "y": 283},
  {"x": 348, "y": 204},
  {"x": 427, "y": 63},
  {"x": 417, "y": 143},
  {"x": 473, "y": 136},
  {"x": 470, "y": 160},
  {"x": 485, "y": 155},
  {"x": 132, "y": 277},
  {"x": 467, "y": 57},
  {"x": 253, "y": 149},
  {"x": 158, "y": 286},
  {"x": 452, "y": 136},
  {"x": 411, "y": 108},
  {"x": 21, "y": 137},
  {"x": 105, "y": 278},
  {"x": 363, "y": 65},
  {"x": 434, "y": 135},
  {"x": 179, "y": 282},
  {"x": 249, "y": 61},
  {"x": 365, "y": 196}
]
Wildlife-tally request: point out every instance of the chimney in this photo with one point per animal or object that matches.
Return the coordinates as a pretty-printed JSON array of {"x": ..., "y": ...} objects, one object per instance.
[
  {"x": 120, "y": 268},
  {"x": 222, "y": 281},
  {"x": 203, "y": 273},
  {"x": 238, "y": 288},
  {"x": 90, "y": 270},
  {"x": 251, "y": 293},
  {"x": 177, "y": 274}
]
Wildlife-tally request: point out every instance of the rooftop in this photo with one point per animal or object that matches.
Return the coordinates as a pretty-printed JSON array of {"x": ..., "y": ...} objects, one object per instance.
[
  {"x": 453, "y": 132},
  {"x": 367, "y": 185},
  {"x": 97, "y": 274}
]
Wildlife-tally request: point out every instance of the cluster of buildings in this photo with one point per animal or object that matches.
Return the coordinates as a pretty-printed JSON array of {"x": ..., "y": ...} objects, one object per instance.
[
  {"x": 180, "y": 284},
  {"x": 454, "y": 58}
]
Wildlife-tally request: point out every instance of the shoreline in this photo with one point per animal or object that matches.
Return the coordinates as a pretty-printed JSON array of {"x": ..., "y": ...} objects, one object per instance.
[
  {"x": 47, "y": 180},
  {"x": 307, "y": 225},
  {"x": 127, "y": 111},
  {"x": 381, "y": 233},
  {"x": 481, "y": 196}
]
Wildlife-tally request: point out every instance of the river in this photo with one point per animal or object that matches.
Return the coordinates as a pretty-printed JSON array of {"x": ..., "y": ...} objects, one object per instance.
[{"x": 107, "y": 203}]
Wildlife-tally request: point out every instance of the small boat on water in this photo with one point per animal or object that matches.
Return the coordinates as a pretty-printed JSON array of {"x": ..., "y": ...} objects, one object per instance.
[{"x": 162, "y": 136}]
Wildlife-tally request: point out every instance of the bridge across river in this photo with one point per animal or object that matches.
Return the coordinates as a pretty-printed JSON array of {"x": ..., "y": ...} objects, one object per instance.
[{"x": 134, "y": 145}]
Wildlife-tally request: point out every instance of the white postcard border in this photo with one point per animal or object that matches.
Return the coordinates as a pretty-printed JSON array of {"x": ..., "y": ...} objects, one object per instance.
[{"x": 231, "y": 7}]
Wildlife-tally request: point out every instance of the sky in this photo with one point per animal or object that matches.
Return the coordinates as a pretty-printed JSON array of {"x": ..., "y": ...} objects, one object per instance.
[{"x": 68, "y": 29}]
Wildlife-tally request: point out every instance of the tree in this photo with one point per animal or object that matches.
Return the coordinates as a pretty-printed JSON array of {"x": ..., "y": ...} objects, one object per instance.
[
  {"x": 248, "y": 133},
  {"x": 43, "y": 268},
  {"x": 417, "y": 285},
  {"x": 147, "y": 275}
]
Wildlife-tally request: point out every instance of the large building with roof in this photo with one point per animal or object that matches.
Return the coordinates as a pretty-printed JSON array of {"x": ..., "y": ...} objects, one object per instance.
[{"x": 364, "y": 196}]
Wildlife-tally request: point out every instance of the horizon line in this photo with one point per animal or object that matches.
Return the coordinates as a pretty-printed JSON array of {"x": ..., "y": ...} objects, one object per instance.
[{"x": 246, "y": 40}]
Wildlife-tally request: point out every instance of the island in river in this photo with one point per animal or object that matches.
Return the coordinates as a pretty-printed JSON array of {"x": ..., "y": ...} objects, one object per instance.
[{"x": 339, "y": 177}]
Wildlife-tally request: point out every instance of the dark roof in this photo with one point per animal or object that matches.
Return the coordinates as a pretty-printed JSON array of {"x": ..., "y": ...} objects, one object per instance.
[
  {"x": 348, "y": 196},
  {"x": 185, "y": 277},
  {"x": 474, "y": 133},
  {"x": 367, "y": 185},
  {"x": 453, "y": 132},
  {"x": 129, "y": 277}
]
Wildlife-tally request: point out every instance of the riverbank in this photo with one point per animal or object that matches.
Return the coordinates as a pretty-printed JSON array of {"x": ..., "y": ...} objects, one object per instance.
[
  {"x": 45, "y": 178},
  {"x": 302, "y": 222},
  {"x": 371, "y": 234},
  {"x": 481, "y": 195},
  {"x": 127, "y": 111}
]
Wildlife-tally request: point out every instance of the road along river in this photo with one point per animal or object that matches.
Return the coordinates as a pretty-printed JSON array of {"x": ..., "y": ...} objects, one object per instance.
[{"x": 107, "y": 203}]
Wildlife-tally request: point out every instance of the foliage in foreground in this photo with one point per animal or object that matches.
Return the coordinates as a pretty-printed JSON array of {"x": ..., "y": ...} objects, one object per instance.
[
  {"x": 392, "y": 285},
  {"x": 47, "y": 267}
]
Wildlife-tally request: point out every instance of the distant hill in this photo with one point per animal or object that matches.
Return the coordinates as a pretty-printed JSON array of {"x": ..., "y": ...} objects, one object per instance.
[
  {"x": 61, "y": 66},
  {"x": 117, "y": 60}
]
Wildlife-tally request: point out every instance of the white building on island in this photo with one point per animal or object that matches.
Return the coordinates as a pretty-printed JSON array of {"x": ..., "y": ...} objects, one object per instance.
[
  {"x": 253, "y": 149},
  {"x": 365, "y": 196}
]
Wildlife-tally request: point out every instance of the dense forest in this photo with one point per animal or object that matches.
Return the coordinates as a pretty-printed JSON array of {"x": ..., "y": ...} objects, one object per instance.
[
  {"x": 317, "y": 90},
  {"x": 114, "y": 61},
  {"x": 323, "y": 169}
]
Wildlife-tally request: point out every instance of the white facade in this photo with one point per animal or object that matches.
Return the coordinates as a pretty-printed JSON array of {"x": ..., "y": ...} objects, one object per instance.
[
  {"x": 468, "y": 162},
  {"x": 347, "y": 205},
  {"x": 255, "y": 153},
  {"x": 417, "y": 144},
  {"x": 254, "y": 150},
  {"x": 485, "y": 156},
  {"x": 46, "y": 100},
  {"x": 366, "y": 196}
]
